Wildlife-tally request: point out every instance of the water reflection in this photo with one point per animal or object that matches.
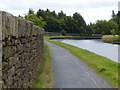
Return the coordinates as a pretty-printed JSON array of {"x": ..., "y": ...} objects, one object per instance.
[{"x": 97, "y": 46}]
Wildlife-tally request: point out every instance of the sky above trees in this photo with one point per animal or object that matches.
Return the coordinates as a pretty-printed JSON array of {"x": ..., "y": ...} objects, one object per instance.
[{"x": 91, "y": 10}]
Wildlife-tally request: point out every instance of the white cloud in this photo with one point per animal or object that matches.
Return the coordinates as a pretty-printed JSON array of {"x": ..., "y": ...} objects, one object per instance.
[{"x": 91, "y": 10}]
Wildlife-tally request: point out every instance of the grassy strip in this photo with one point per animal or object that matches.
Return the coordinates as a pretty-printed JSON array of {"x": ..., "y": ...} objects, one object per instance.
[
  {"x": 43, "y": 76},
  {"x": 111, "y": 38},
  {"x": 104, "y": 66},
  {"x": 71, "y": 36}
]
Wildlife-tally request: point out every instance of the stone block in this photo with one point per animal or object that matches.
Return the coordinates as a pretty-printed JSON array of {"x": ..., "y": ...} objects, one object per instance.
[
  {"x": 4, "y": 75},
  {"x": 21, "y": 26},
  {"x": 16, "y": 42},
  {"x": 0, "y": 65},
  {"x": 34, "y": 30},
  {"x": 0, "y": 25},
  {"x": 23, "y": 31},
  {"x": 20, "y": 83},
  {"x": 8, "y": 42},
  {"x": 5, "y": 66},
  {"x": 0, "y": 75},
  {"x": 8, "y": 51},
  {"x": 9, "y": 82},
  {"x": 11, "y": 61},
  {"x": 19, "y": 72},
  {"x": 15, "y": 27},
  {"x": 15, "y": 85},
  {"x": 20, "y": 48},
  {"x": 27, "y": 47},
  {"x": 11, "y": 72},
  {"x": 24, "y": 40},
  {"x": 7, "y": 24},
  {"x": 3, "y": 85},
  {"x": 18, "y": 65},
  {"x": 30, "y": 25},
  {"x": 16, "y": 58},
  {"x": 26, "y": 29},
  {"x": 26, "y": 56}
]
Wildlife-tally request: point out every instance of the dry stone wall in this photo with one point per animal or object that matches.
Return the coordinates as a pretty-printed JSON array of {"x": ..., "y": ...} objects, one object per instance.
[{"x": 21, "y": 48}]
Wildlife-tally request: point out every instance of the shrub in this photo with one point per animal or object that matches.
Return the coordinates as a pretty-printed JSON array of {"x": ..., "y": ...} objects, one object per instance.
[{"x": 111, "y": 38}]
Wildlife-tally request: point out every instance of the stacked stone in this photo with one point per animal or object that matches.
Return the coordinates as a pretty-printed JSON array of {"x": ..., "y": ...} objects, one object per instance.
[
  {"x": 0, "y": 51},
  {"x": 22, "y": 46}
]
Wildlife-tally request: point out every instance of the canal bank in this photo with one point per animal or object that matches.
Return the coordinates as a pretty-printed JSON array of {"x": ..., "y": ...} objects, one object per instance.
[
  {"x": 74, "y": 38},
  {"x": 115, "y": 39}
]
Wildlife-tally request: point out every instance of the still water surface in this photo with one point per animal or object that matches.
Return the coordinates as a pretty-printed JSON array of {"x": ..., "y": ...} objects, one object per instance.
[{"x": 97, "y": 46}]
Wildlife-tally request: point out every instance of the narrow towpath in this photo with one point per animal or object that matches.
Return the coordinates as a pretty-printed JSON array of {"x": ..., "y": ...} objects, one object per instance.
[{"x": 70, "y": 72}]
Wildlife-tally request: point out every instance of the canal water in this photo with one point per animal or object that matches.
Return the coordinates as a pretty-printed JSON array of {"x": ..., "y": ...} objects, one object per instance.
[{"x": 97, "y": 46}]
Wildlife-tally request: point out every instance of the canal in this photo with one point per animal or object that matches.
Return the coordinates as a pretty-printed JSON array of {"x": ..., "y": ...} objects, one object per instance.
[{"x": 96, "y": 46}]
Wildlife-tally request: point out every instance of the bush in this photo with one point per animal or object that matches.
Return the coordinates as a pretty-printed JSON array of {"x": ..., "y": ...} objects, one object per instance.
[{"x": 111, "y": 38}]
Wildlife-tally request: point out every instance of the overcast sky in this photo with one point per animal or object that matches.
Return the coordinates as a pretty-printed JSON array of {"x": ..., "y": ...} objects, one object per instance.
[{"x": 91, "y": 10}]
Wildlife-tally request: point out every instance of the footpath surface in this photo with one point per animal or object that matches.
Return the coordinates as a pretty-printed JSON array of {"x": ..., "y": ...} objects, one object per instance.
[{"x": 70, "y": 72}]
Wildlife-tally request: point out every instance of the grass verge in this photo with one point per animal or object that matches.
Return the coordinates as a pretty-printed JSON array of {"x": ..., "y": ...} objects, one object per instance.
[
  {"x": 43, "y": 76},
  {"x": 104, "y": 66},
  {"x": 71, "y": 37},
  {"x": 111, "y": 38}
]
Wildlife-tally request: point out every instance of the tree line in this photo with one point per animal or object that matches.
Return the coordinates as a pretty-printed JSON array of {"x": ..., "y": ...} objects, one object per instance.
[
  {"x": 104, "y": 27},
  {"x": 60, "y": 22}
]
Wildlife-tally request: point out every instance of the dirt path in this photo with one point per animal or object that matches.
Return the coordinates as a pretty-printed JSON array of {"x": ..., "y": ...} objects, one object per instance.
[{"x": 70, "y": 72}]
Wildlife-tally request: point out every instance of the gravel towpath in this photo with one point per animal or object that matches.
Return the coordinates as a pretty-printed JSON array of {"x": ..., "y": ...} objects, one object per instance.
[{"x": 70, "y": 72}]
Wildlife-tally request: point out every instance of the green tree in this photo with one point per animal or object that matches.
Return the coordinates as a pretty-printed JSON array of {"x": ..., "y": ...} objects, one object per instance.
[
  {"x": 113, "y": 25},
  {"x": 118, "y": 15},
  {"x": 116, "y": 18},
  {"x": 90, "y": 29},
  {"x": 41, "y": 13},
  {"x": 79, "y": 23},
  {"x": 52, "y": 25},
  {"x": 105, "y": 27},
  {"x": 30, "y": 11},
  {"x": 113, "y": 31},
  {"x": 57, "y": 22},
  {"x": 69, "y": 24},
  {"x": 61, "y": 15},
  {"x": 36, "y": 20},
  {"x": 63, "y": 32},
  {"x": 113, "y": 14}
]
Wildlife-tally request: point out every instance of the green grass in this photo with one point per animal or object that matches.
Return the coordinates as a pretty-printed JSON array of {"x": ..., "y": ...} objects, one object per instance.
[
  {"x": 71, "y": 36},
  {"x": 111, "y": 38},
  {"x": 43, "y": 76},
  {"x": 104, "y": 66}
]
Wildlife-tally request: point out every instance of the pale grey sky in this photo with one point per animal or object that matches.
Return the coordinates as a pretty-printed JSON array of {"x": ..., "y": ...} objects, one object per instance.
[{"x": 91, "y": 10}]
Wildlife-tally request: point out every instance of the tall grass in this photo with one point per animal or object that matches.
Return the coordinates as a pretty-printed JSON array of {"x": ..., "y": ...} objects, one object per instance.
[
  {"x": 43, "y": 76},
  {"x": 111, "y": 38}
]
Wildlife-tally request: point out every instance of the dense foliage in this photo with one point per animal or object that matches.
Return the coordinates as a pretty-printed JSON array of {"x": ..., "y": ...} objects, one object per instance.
[
  {"x": 60, "y": 22},
  {"x": 107, "y": 27},
  {"x": 36, "y": 20},
  {"x": 57, "y": 22}
]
